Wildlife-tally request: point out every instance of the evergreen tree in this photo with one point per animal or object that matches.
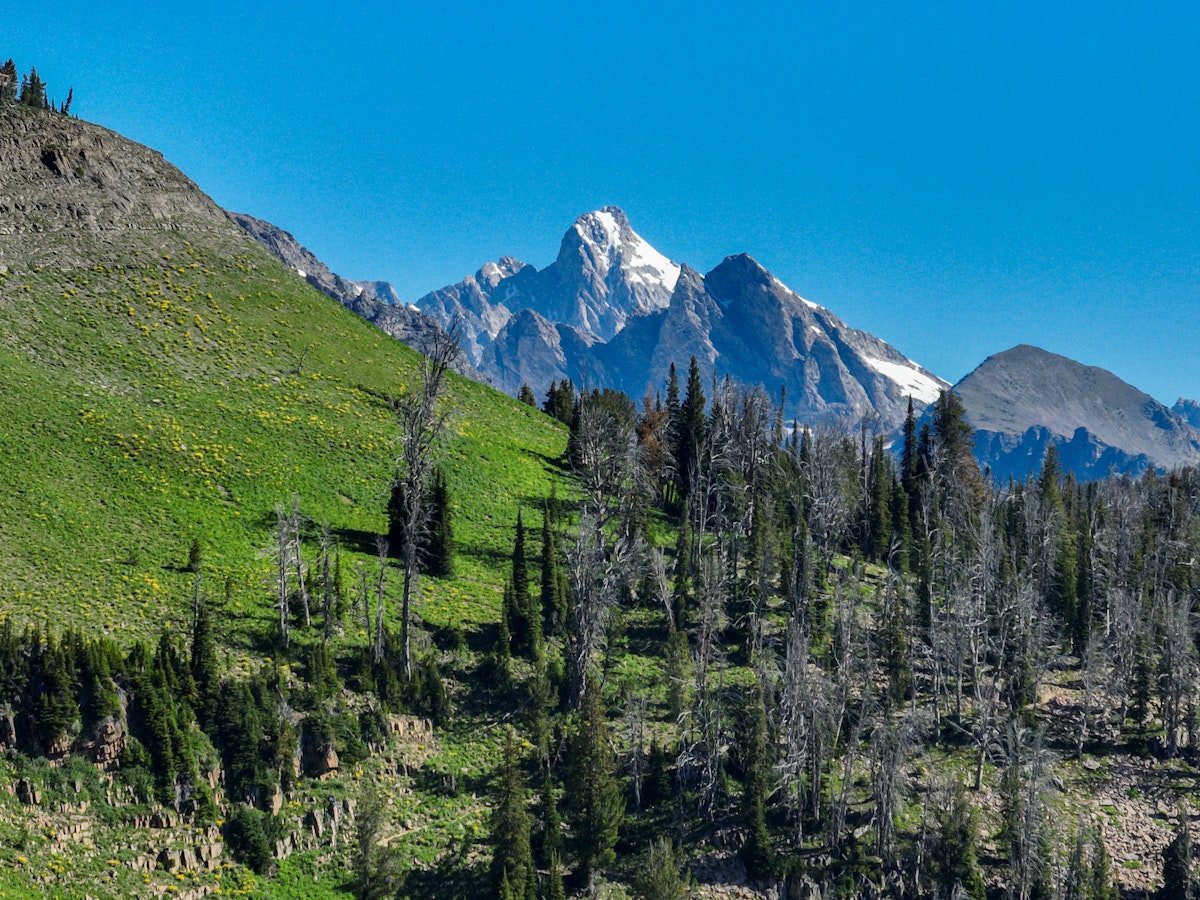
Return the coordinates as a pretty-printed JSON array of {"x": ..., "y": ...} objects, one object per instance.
[
  {"x": 524, "y": 618},
  {"x": 8, "y": 82},
  {"x": 439, "y": 554},
  {"x": 205, "y": 670},
  {"x": 878, "y": 531},
  {"x": 756, "y": 852},
  {"x": 1178, "y": 883},
  {"x": 553, "y": 594},
  {"x": 376, "y": 867},
  {"x": 512, "y": 860},
  {"x": 500, "y": 660},
  {"x": 690, "y": 434},
  {"x": 553, "y": 889},
  {"x": 594, "y": 806},
  {"x": 908, "y": 453},
  {"x": 550, "y": 846},
  {"x": 1063, "y": 589},
  {"x": 33, "y": 91},
  {"x": 953, "y": 864},
  {"x": 660, "y": 878},
  {"x": 1103, "y": 885},
  {"x": 525, "y": 395}
]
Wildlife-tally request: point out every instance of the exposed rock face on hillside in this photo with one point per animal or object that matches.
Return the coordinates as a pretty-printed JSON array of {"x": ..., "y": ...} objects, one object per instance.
[
  {"x": 375, "y": 301},
  {"x": 1024, "y": 399},
  {"x": 73, "y": 193}
]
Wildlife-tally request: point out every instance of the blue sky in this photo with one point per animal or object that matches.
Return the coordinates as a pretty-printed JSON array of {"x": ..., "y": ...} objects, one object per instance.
[{"x": 952, "y": 178}]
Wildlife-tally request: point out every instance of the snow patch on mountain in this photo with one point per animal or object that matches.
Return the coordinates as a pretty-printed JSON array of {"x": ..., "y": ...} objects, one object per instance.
[
  {"x": 644, "y": 264},
  {"x": 912, "y": 381}
]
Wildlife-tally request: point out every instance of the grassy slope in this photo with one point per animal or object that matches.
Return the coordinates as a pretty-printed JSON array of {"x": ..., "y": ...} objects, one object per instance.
[{"x": 146, "y": 405}]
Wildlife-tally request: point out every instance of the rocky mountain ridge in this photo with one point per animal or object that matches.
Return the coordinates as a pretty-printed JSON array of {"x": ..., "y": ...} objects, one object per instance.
[
  {"x": 611, "y": 311},
  {"x": 1025, "y": 399},
  {"x": 375, "y": 301}
]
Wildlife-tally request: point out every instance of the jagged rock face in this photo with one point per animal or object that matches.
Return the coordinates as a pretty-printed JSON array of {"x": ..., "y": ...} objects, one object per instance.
[
  {"x": 73, "y": 194},
  {"x": 742, "y": 321},
  {"x": 477, "y": 303},
  {"x": 375, "y": 301},
  {"x": 300, "y": 259},
  {"x": 1024, "y": 399},
  {"x": 535, "y": 351},
  {"x": 1189, "y": 410},
  {"x": 604, "y": 274},
  {"x": 611, "y": 311}
]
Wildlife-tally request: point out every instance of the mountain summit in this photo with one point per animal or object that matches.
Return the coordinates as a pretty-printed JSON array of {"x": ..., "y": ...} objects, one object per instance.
[
  {"x": 613, "y": 311},
  {"x": 605, "y": 272},
  {"x": 1024, "y": 399}
]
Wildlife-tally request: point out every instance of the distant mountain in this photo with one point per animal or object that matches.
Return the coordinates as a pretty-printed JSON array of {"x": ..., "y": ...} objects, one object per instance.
[
  {"x": 1025, "y": 399},
  {"x": 1189, "y": 409},
  {"x": 613, "y": 311},
  {"x": 605, "y": 272},
  {"x": 375, "y": 301}
]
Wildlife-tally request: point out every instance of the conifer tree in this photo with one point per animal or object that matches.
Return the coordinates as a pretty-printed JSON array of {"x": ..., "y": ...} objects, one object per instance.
[
  {"x": 553, "y": 590},
  {"x": 204, "y": 669},
  {"x": 953, "y": 863},
  {"x": 594, "y": 806},
  {"x": 500, "y": 661},
  {"x": 660, "y": 878},
  {"x": 525, "y": 395},
  {"x": 908, "y": 453},
  {"x": 756, "y": 852},
  {"x": 524, "y": 619},
  {"x": 33, "y": 91},
  {"x": 690, "y": 435},
  {"x": 512, "y": 860},
  {"x": 553, "y": 889},
  {"x": 8, "y": 82},
  {"x": 439, "y": 554},
  {"x": 550, "y": 846},
  {"x": 1178, "y": 883}
]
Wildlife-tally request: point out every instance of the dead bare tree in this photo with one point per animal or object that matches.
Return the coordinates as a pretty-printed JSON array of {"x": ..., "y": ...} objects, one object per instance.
[
  {"x": 419, "y": 425},
  {"x": 1025, "y": 811},
  {"x": 703, "y": 731},
  {"x": 379, "y": 644},
  {"x": 327, "y": 585},
  {"x": 601, "y": 556},
  {"x": 286, "y": 549}
]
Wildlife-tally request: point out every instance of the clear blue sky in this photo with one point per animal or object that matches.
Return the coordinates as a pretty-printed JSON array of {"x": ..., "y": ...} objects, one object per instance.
[{"x": 951, "y": 178}]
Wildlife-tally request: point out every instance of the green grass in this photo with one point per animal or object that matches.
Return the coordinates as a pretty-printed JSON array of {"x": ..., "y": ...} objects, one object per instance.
[
  {"x": 144, "y": 405},
  {"x": 149, "y": 404}
]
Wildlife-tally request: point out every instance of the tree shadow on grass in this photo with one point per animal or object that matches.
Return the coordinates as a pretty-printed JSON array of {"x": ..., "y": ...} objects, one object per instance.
[{"x": 357, "y": 540}]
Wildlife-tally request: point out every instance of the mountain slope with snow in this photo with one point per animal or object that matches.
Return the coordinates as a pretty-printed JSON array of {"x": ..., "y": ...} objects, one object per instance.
[{"x": 612, "y": 311}]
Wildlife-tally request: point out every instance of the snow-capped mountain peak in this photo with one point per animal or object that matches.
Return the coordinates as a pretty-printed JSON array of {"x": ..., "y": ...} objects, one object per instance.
[{"x": 608, "y": 233}]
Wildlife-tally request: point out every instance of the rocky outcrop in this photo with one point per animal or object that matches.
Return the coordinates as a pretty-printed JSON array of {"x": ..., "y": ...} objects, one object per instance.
[
  {"x": 73, "y": 194},
  {"x": 106, "y": 742}
]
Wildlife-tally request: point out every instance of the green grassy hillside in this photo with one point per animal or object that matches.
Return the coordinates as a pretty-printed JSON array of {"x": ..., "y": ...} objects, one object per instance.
[{"x": 182, "y": 395}]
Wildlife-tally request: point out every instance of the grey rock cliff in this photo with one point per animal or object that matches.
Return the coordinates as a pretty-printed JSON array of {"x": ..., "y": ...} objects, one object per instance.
[{"x": 74, "y": 194}]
